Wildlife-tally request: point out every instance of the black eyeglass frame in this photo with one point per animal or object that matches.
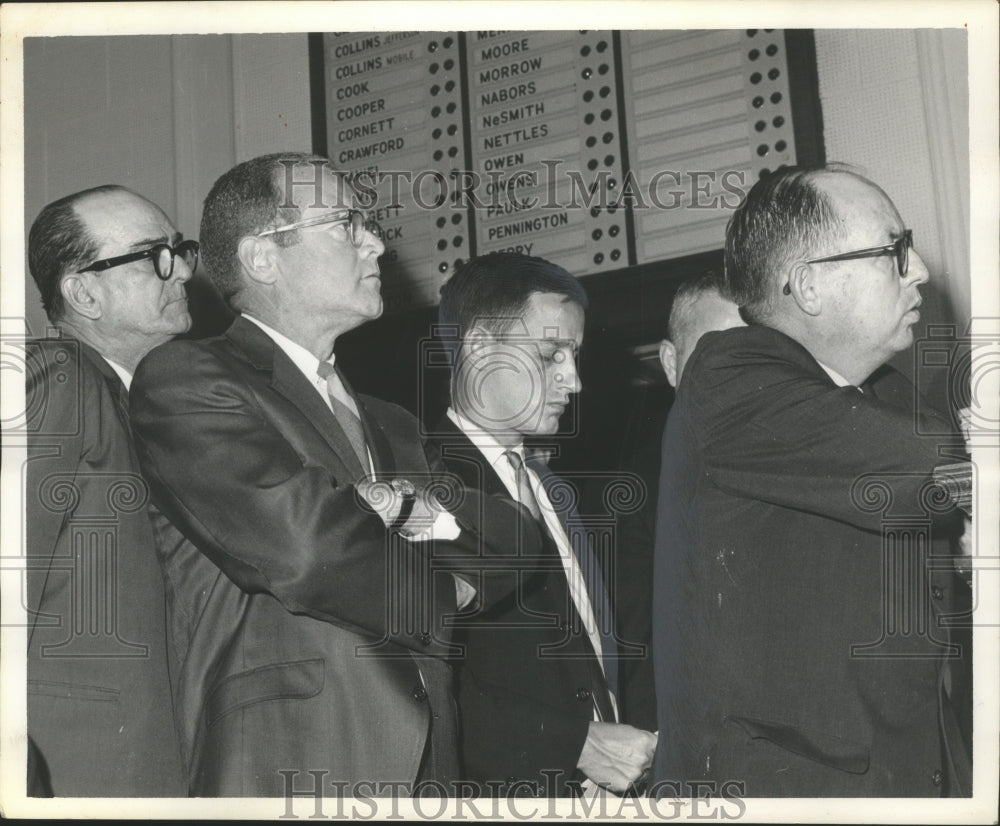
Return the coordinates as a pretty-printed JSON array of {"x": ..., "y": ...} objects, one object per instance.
[
  {"x": 357, "y": 223},
  {"x": 156, "y": 253},
  {"x": 899, "y": 249}
]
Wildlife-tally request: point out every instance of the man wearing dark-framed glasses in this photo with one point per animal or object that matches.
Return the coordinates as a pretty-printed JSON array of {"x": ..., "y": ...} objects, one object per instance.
[
  {"x": 797, "y": 646},
  {"x": 111, "y": 269},
  {"x": 162, "y": 256}
]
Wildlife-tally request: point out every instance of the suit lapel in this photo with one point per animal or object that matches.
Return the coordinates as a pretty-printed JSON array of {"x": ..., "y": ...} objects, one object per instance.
[
  {"x": 287, "y": 379},
  {"x": 568, "y": 516},
  {"x": 115, "y": 384},
  {"x": 463, "y": 458}
]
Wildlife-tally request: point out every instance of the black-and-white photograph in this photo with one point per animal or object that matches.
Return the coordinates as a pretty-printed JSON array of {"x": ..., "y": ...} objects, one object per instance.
[{"x": 406, "y": 415}]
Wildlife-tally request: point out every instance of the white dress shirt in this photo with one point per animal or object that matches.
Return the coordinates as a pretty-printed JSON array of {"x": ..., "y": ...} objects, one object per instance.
[
  {"x": 123, "y": 374},
  {"x": 308, "y": 364},
  {"x": 494, "y": 453},
  {"x": 838, "y": 379}
]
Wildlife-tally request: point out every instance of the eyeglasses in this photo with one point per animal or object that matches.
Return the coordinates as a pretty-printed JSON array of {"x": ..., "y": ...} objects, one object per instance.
[
  {"x": 899, "y": 249},
  {"x": 356, "y": 222},
  {"x": 163, "y": 259}
]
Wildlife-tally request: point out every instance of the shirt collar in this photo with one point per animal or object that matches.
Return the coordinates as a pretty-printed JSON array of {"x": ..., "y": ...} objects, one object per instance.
[
  {"x": 838, "y": 379},
  {"x": 483, "y": 439},
  {"x": 300, "y": 356},
  {"x": 123, "y": 374}
]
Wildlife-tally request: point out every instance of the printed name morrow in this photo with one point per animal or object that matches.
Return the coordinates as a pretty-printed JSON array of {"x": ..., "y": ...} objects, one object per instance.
[{"x": 370, "y": 799}]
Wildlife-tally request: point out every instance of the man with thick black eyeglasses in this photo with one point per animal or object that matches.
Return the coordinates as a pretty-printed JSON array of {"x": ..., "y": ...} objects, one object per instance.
[
  {"x": 797, "y": 648},
  {"x": 162, "y": 256},
  {"x": 111, "y": 270}
]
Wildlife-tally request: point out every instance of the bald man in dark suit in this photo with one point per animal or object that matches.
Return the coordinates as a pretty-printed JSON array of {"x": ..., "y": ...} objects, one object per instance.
[
  {"x": 794, "y": 643},
  {"x": 111, "y": 270}
]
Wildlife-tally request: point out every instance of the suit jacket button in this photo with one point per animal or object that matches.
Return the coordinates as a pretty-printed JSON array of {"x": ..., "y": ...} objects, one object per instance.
[
  {"x": 937, "y": 593},
  {"x": 583, "y": 695},
  {"x": 419, "y": 693},
  {"x": 937, "y": 777}
]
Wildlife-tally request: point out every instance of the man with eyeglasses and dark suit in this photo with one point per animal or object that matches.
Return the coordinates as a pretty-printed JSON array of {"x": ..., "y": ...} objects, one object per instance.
[
  {"x": 307, "y": 620},
  {"x": 795, "y": 647},
  {"x": 111, "y": 269}
]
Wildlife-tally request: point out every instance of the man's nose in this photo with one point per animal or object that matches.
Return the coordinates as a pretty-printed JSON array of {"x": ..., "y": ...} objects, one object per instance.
[
  {"x": 568, "y": 376},
  {"x": 373, "y": 244},
  {"x": 916, "y": 271},
  {"x": 182, "y": 270}
]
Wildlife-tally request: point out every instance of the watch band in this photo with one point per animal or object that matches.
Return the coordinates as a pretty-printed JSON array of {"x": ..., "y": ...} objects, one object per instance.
[{"x": 405, "y": 489}]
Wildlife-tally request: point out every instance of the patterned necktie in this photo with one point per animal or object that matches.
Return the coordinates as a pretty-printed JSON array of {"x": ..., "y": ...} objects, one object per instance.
[
  {"x": 525, "y": 495},
  {"x": 342, "y": 409},
  {"x": 593, "y": 577}
]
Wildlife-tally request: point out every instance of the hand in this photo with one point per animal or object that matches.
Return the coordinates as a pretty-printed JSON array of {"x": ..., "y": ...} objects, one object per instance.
[
  {"x": 965, "y": 425},
  {"x": 965, "y": 540},
  {"x": 615, "y": 754},
  {"x": 963, "y": 561}
]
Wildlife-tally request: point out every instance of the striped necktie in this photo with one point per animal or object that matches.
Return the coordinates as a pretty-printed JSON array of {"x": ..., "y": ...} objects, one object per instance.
[
  {"x": 590, "y": 568},
  {"x": 344, "y": 409}
]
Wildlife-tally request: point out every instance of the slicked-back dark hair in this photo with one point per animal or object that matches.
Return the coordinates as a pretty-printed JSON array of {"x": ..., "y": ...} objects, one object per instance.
[
  {"x": 492, "y": 291},
  {"x": 246, "y": 200},
  {"x": 59, "y": 243},
  {"x": 783, "y": 216}
]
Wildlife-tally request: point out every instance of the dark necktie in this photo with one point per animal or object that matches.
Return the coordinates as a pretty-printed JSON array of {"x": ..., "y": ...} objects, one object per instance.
[
  {"x": 525, "y": 495},
  {"x": 590, "y": 567},
  {"x": 346, "y": 417}
]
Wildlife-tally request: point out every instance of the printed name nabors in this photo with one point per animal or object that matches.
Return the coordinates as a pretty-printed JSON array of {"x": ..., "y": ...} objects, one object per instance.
[{"x": 507, "y": 94}]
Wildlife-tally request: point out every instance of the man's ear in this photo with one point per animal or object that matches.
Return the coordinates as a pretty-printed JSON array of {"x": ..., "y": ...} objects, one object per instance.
[
  {"x": 259, "y": 259},
  {"x": 477, "y": 338},
  {"x": 802, "y": 288},
  {"x": 668, "y": 360},
  {"x": 79, "y": 295}
]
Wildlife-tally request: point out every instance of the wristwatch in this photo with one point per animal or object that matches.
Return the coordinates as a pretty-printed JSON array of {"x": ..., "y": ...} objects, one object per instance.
[{"x": 405, "y": 488}]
